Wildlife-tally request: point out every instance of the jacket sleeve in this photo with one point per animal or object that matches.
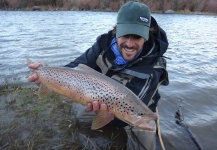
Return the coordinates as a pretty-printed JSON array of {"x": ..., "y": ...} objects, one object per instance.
[{"x": 89, "y": 57}]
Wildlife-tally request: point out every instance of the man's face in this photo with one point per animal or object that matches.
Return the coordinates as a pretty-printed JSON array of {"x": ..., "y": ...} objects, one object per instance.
[{"x": 130, "y": 45}]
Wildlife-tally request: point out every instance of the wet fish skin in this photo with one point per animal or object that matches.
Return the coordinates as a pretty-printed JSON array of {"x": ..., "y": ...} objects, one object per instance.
[{"x": 83, "y": 85}]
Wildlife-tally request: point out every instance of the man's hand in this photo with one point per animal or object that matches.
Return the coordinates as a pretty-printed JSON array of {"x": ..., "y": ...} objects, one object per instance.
[
  {"x": 95, "y": 106},
  {"x": 34, "y": 77}
]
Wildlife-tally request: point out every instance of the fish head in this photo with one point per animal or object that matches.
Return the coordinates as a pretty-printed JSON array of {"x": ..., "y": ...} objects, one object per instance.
[
  {"x": 135, "y": 113},
  {"x": 141, "y": 119}
]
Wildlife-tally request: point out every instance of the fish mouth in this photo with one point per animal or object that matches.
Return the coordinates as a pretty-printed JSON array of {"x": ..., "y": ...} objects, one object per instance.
[{"x": 146, "y": 126}]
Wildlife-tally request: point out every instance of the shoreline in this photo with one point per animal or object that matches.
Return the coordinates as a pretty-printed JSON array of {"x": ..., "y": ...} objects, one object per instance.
[{"x": 186, "y": 12}]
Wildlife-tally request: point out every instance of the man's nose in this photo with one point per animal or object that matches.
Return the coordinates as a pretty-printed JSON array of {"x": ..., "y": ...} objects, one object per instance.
[{"x": 129, "y": 41}]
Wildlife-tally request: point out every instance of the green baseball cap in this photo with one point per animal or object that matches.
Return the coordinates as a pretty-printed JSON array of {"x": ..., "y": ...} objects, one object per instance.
[{"x": 133, "y": 18}]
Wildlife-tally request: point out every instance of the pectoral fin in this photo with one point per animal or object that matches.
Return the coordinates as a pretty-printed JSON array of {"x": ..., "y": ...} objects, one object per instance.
[
  {"x": 44, "y": 91},
  {"x": 101, "y": 119}
]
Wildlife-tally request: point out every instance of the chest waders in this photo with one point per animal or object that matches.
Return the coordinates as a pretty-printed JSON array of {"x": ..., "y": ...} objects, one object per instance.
[{"x": 126, "y": 75}]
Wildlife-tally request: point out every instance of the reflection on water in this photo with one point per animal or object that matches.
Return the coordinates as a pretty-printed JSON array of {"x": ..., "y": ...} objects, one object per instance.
[{"x": 57, "y": 37}]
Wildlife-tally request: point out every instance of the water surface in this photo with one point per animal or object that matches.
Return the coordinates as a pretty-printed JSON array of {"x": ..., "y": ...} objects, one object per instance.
[{"x": 57, "y": 37}]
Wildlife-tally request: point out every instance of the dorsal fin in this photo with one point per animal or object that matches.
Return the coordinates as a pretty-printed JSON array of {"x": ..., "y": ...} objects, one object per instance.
[{"x": 85, "y": 67}]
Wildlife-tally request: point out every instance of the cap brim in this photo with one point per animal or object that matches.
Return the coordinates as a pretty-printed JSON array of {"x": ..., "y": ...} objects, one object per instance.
[{"x": 137, "y": 29}]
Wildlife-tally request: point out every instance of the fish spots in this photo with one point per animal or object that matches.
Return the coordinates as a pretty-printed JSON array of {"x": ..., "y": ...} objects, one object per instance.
[
  {"x": 126, "y": 107},
  {"x": 85, "y": 86}
]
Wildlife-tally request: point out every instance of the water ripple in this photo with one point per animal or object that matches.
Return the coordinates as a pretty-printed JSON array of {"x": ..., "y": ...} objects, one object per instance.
[{"x": 58, "y": 37}]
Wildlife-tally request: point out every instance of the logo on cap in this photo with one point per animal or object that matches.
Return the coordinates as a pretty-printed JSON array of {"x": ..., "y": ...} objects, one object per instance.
[{"x": 143, "y": 19}]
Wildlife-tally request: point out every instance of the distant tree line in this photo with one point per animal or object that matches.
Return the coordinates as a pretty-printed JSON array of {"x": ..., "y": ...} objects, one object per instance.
[
  {"x": 155, "y": 5},
  {"x": 21, "y": 4}
]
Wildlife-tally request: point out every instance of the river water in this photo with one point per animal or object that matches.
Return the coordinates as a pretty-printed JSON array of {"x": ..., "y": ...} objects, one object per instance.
[{"x": 57, "y": 37}]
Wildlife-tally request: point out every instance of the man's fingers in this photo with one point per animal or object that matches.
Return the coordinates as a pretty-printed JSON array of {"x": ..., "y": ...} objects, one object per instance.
[
  {"x": 32, "y": 78},
  {"x": 103, "y": 107},
  {"x": 89, "y": 107},
  {"x": 35, "y": 65},
  {"x": 96, "y": 106}
]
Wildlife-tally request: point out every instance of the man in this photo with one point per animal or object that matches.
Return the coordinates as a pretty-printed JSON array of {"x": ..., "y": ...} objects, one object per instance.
[{"x": 132, "y": 54}]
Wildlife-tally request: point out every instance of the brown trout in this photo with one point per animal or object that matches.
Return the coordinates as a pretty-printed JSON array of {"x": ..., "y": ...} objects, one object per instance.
[{"x": 83, "y": 84}]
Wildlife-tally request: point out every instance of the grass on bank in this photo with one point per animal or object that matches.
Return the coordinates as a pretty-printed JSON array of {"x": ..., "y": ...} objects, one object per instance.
[{"x": 28, "y": 122}]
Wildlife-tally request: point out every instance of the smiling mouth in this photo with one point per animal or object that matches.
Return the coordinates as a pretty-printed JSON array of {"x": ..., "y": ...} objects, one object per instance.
[{"x": 129, "y": 49}]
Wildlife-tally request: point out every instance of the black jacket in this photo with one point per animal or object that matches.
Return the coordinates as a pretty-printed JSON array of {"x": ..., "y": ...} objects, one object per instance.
[{"x": 143, "y": 75}]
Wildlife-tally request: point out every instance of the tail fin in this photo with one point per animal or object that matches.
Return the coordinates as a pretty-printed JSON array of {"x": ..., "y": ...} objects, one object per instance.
[{"x": 28, "y": 61}]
